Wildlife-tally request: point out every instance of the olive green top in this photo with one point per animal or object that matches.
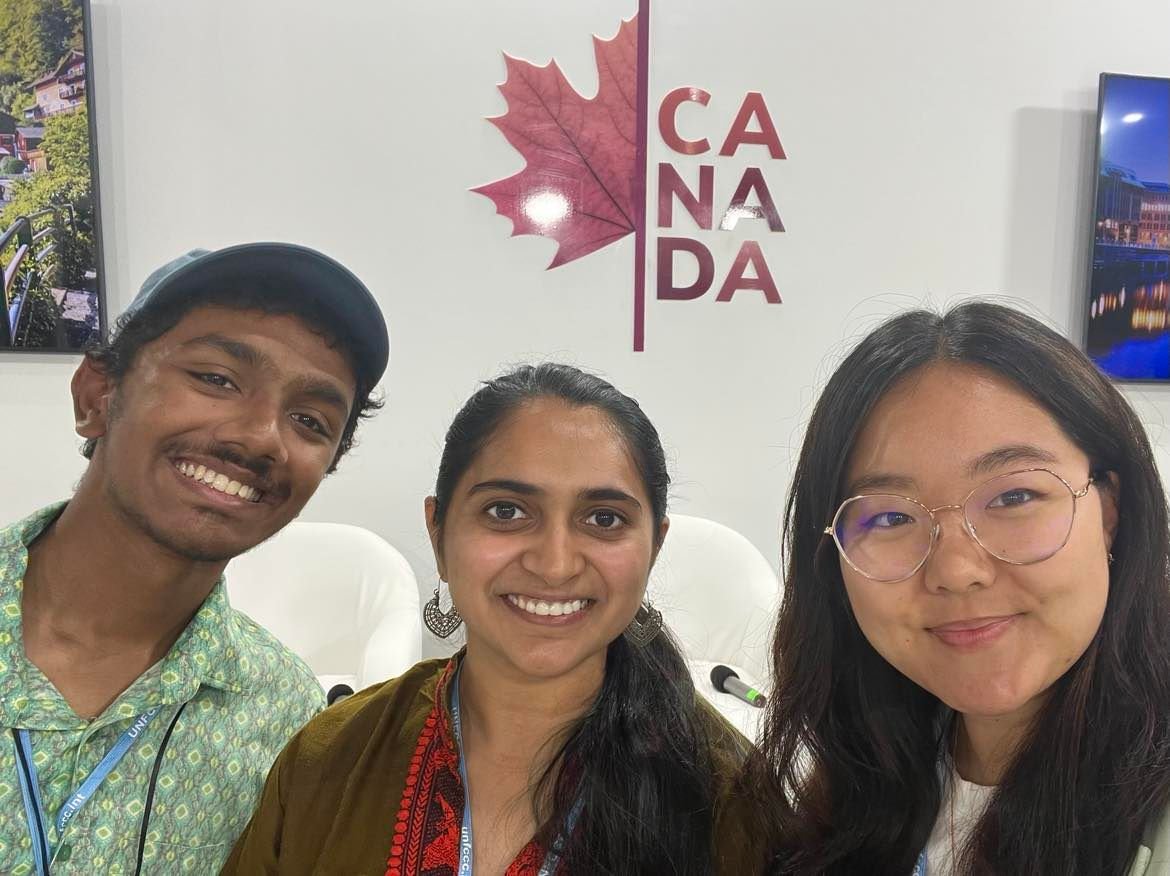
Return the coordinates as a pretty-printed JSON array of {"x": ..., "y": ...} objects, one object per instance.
[{"x": 335, "y": 802}]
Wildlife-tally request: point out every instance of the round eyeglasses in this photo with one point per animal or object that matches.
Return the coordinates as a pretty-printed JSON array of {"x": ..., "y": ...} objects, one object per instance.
[{"x": 1020, "y": 518}]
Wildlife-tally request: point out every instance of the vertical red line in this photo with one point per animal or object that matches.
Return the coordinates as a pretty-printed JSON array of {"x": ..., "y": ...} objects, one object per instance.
[{"x": 643, "y": 111}]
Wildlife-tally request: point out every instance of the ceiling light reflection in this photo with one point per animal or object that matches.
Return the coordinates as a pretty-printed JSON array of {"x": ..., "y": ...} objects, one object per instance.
[{"x": 546, "y": 208}]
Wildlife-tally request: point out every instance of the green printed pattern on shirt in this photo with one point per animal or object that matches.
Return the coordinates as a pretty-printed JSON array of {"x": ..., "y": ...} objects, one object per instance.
[{"x": 246, "y": 695}]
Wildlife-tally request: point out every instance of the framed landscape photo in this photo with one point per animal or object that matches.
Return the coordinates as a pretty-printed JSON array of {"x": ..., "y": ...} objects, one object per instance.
[{"x": 50, "y": 242}]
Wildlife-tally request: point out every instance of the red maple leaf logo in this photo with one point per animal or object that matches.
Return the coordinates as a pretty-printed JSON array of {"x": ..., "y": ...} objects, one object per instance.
[{"x": 580, "y": 185}]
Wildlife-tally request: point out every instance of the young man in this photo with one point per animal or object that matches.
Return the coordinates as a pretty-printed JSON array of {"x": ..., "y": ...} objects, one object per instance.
[{"x": 139, "y": 712}]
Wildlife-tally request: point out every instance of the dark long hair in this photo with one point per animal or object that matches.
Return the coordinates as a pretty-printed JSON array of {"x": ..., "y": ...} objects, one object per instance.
[
  {"x": 847, "y": 772},
  {"x": 639, "y": 759}
]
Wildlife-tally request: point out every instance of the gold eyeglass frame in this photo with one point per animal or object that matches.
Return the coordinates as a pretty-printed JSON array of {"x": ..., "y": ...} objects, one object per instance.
[{"x": 935, "y": 527}]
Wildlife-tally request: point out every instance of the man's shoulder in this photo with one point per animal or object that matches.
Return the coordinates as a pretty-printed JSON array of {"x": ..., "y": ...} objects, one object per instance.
[
  {"x": 14, "y": 540},
  {"x": 16, "y": 534},
  {"x": 275, "y": 668}
]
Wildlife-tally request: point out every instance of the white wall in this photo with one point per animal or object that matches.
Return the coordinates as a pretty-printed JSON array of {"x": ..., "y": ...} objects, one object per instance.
[{"x": 934, "y": 149}]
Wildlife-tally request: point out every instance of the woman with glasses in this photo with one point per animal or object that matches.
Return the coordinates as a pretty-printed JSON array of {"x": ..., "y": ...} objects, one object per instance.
[{"x": 973, "y": 653}]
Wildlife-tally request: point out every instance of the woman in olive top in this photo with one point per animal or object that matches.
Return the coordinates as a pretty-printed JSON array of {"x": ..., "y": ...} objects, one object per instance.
[
  {"x": 567, "y": 736},
  {"x": 975, "y": 637}
]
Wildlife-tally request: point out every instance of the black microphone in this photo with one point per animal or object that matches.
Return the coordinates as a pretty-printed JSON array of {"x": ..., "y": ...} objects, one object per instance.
[
  {"x": 726, "y": 680},
  {"x": 337, "y": 693}
]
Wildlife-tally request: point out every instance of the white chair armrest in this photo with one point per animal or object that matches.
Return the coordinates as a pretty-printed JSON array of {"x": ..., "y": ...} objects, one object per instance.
[{"x": 394, "y": 645}]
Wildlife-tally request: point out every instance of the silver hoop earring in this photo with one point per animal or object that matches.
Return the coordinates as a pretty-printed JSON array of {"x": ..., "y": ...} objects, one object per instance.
[
  {"x": 645, "y": 626},
  {"x": 440, "y": 623}
]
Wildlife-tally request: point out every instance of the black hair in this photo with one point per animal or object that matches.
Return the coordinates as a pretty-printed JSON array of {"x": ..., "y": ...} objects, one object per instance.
[
  {"x": 639, "y": 760},
  {"x": 848, "y": 769},
  {"x": 116, "y": 356}
]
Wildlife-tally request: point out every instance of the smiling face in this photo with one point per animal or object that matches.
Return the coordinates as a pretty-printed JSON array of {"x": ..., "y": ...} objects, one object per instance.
[
  {"x": 220, "y": 431},
  {"x": 547, "y": 540},
  {"x": 986, "y": 637}
]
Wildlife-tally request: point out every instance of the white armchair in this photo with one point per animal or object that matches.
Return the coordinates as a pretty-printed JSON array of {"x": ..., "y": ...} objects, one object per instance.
[
  {"x": 339, "y": 596},
  {"x": 720, "y": 598}
]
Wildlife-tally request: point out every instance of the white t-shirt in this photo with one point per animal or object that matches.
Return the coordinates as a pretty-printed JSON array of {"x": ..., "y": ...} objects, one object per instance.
[{"x": 969, "y": 801}]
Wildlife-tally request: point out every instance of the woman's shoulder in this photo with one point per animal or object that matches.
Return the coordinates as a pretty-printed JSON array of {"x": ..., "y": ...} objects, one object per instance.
[{"x": 372, "y": 716}]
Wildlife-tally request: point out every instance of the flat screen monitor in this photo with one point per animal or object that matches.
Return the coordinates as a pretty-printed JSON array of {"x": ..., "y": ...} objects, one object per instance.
[{"x": 1128, "y": 322}]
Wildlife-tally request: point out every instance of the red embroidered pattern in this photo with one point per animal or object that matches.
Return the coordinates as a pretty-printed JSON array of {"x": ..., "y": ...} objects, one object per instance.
[{"x": 430, "y": 815}]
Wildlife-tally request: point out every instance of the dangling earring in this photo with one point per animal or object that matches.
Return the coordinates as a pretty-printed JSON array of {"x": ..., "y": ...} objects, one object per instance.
[
  {"x": 1109, "y": 557},
  {"x": 647, "y": 624},
  {"x": 441, "y": 623}
]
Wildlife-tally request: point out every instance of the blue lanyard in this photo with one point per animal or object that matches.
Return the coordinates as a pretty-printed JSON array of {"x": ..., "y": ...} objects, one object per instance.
[
  {"x": 31, "y": 793},
  {"x": 920, "y": 867},
  {"x": 551, "y": 858}
]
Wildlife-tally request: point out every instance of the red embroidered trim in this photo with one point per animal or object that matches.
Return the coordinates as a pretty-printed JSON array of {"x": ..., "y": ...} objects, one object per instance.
[
  {"x": 426, "y": 830},
  {"x": 528, "y": 862},
  {"x": 430, "y": 814}
]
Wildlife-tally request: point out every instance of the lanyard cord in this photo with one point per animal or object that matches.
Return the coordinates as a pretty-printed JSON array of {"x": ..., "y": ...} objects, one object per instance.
[
  {"x": 466, "y": 844},
  {"x": 150, "y": 788},
  {"x": 30, "y": 786},
  {"x": 31, "y": 791},
  {"x": 32, "y": 805}
]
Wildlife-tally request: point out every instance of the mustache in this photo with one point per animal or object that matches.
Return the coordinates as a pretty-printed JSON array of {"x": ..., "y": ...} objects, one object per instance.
[{"x": 259, "y": 467}]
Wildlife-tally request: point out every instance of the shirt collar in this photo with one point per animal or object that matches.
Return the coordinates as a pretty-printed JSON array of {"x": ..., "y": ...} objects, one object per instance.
[
  {"x": 26, "y": 697},
  {"x": 16, "y": 538},
  {"x": 14, "y": 542},
  {"x": 212, "y": 650}
]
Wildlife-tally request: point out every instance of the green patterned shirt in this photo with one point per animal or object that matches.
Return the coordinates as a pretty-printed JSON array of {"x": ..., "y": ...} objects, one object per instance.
[{"x": 245, "y": 694}]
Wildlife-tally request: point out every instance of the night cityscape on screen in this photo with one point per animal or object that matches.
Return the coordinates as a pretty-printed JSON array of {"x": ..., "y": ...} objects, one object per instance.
[{"x": 1129, "y": 299}]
